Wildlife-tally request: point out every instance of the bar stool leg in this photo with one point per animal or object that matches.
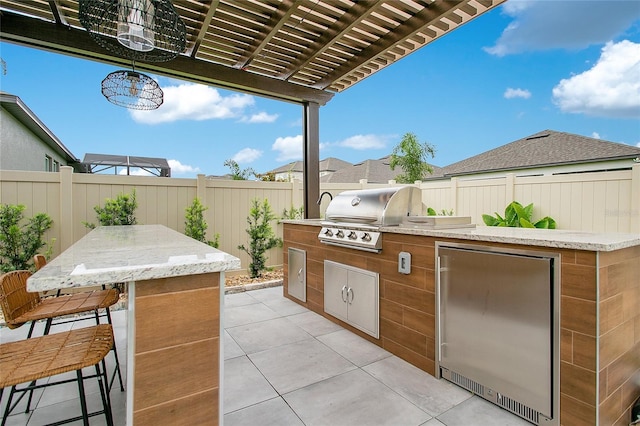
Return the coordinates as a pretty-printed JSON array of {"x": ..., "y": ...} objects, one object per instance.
[
  {"x": 7, "y": 409},
  {"x": 83, "y": 401},
  {"x": 30, "y": 398},
  {"x": 104, "y": 393},
  {"x": 115, "y": 354},
  {"x": 47, "y": 328}
]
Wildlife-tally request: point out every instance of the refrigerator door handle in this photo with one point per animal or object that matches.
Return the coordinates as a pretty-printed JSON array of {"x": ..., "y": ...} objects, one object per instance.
[{"x": 438, "y": 310}]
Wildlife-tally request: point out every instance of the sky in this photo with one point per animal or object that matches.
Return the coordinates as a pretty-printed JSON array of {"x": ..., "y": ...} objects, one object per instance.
[{"x": 524, "y": 67}]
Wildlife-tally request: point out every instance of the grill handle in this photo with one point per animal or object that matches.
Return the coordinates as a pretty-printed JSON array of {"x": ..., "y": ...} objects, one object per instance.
[{"x": 351, "y": 219}]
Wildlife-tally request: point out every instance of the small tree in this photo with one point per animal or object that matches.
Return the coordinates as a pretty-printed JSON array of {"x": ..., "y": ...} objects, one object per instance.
[
  {"x": 196, "y": 226},
  {"x": 20, "y": 241},
  {"x": 261, "y": 236},
  {"x": 411, "y": 156},
  {"x": 266, "y": 177},
  {"x": 120, "y": 211},
  {"x": 236, "y": 173}
]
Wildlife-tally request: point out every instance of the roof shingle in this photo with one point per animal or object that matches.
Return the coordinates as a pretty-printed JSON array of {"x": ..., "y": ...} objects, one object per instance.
[{"x": 542, "y": 149}]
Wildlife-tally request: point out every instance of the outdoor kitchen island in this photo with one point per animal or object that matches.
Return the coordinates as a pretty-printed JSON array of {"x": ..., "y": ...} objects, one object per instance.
[
  {"x": 598, "y": 349},
  {"x": 175, "y": 286}
]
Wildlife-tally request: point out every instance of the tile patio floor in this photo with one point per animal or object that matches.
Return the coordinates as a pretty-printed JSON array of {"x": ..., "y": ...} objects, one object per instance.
[{"x": 285, "y": 365}]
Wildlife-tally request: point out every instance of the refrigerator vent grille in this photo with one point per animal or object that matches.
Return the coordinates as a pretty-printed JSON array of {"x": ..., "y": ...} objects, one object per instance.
[
  {"x": 520, "y": 409},
  {"x": 505, "y": 402},
  {"x": 467, "y": 383}
]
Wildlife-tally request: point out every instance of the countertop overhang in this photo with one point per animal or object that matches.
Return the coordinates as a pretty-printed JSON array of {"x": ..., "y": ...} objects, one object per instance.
[
  {"x": 557, "y": 238},
  {"x": 113, "y": 254}
]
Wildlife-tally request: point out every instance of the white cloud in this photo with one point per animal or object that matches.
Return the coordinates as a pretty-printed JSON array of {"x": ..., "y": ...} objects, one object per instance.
[
  {"x": 194, "y": 102},
  {"x": 135, "y": 171},
  {"x": 595, "y": 135},
  {"x": 638, "y": 144},
  {"x": 261, "y": 117},
  {"x": 247, "y": 155},
  {"x": 179, "y": 168},
  {"x": 362, "y": 142},
  {"x": 611, "y": 88},
  {"x": 511, "y": 93},
  {"x": 289, "y": 147},
  {"x": 566, "y": 24},
  {"x": 175, "y": 165}
]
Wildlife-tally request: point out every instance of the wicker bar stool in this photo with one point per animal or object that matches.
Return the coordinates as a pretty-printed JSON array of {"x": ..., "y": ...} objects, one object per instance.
[
  {"x": 20, "y": 306},
  {"x": 39, "y": 261},
  {"x": 32, "y": 359}
]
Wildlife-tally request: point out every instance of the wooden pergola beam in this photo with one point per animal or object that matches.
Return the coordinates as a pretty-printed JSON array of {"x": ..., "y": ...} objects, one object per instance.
[{"x": 75, "y": 42}]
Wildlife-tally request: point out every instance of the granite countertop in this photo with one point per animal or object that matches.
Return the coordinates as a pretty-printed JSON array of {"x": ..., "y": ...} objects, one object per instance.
[
  {"x": 558, "y": 238},
  {"x": 113, "y": 254}
]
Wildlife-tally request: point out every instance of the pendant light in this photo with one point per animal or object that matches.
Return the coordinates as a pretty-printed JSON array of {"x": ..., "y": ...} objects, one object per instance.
[
  {"x": 140, "y": 30},
  {"x": 133, "y": 90},
  {"x": 136, "y": 22}
]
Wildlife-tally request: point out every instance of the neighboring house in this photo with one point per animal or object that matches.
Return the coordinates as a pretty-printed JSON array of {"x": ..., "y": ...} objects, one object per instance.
[
  {"x": 26, "y": 143},
  {"x": 374, "y": 171},
  {"x": 294, "y": 170},
  {"x": 545, "y": 153}
]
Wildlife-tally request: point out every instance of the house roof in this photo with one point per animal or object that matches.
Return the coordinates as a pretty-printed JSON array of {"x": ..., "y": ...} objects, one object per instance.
[
  {"x": 375, "y": 171},
  {"x": 543, "y": 149},
  {"x": 330, "y": 164},
  {"x": 16, "y": 107},
  {"x": 296, "y": 50},
  {"x": 333, "y": 164},
  {"x": 294, "y": 166}
]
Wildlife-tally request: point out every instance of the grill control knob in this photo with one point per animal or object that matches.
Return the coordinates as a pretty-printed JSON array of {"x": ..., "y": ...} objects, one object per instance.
[
  {"x": 352, "y": 235},
  {"x": 328, "y": 233},
  {"x": 340, "y": 234},
  {"x": 366, "y": 237}
]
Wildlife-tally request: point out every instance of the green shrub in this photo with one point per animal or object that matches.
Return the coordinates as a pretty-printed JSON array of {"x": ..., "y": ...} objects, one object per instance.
[
  {"x": 20, "y": 241},
  {"x": 120, "y": 211},
  {"x": 443, "y": 212},
  {"x": 293, "y": 213},
  {"x": 196, "y": 226},
  {"x": 261, "y": 236},
  {"x": 517, "y": 216}
]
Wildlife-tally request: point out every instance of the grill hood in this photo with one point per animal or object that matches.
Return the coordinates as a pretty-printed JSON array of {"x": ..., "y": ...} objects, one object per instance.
[{"x": 378, "y": 207}]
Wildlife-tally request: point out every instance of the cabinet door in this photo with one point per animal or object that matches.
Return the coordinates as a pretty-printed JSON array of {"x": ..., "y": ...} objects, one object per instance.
[
  {"x": 362, "y": 299},
  {"x": 335, "y": 290},
  {"x": 297, "y": 273}
]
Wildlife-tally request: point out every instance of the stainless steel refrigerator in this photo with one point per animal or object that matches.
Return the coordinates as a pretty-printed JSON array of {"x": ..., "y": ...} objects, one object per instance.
[{"x": 498, "y": 326}]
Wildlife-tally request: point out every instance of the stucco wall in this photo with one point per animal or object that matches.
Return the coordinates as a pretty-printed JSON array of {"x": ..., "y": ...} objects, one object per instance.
[{"x": 20, "y": 149}]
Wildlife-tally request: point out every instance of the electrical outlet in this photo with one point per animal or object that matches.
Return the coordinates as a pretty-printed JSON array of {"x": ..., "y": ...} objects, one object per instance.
[{"x": 404, "y": 262}]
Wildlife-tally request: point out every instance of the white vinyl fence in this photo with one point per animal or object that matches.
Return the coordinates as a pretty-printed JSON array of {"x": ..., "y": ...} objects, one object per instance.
[{"x": 603, "y": 202}]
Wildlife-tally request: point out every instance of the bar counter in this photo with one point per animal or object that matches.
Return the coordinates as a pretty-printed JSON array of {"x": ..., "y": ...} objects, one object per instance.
[{"x": 175, "y": 284}]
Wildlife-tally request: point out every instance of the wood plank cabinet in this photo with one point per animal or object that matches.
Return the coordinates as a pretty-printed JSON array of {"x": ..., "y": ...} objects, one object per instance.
[{"x": 351, "y": 295}]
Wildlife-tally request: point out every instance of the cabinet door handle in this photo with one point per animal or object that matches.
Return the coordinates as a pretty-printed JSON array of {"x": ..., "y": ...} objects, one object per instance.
[
  {"x": 344, "y": 288},
  {"x": 299, "y": 274},
  {"x": 350, "y": 291}
]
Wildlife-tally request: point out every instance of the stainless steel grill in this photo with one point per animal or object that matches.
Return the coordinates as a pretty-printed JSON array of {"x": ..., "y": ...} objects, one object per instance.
[{"x": 354, "y": 217}]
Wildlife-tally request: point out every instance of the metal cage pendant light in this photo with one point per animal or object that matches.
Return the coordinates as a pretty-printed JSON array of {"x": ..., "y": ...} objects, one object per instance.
[
  {"x": 140, "y": 30},
  {"x": 132, "y": 89}
]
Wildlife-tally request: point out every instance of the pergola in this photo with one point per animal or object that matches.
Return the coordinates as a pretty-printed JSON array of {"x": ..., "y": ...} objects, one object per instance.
[{"x": 300, "y": 51}]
